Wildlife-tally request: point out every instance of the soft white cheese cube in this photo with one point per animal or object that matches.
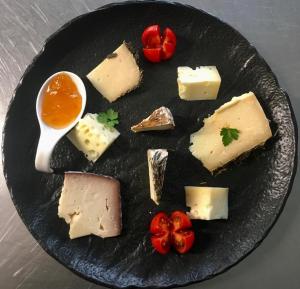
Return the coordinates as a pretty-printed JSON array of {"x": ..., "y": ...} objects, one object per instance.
[
  {"x": 243, "y": 113},
  {"x": 92, "y": 137},
  {"x": 117, "y": 74},
  {"x": 200, "y": 84},
  {"x": 91, "y": 204},
  {"x": 207, "y": 203}
]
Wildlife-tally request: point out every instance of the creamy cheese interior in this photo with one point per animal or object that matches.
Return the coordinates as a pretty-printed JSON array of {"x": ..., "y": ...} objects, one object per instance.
[{"x": 243, "y": 113}]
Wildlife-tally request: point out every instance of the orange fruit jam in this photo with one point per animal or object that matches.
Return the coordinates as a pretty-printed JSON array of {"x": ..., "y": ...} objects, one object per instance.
[{"x": 61, "y": 102}]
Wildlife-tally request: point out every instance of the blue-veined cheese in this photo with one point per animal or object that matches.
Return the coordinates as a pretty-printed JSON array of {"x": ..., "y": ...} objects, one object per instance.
[{"x": 157, "y": 162}]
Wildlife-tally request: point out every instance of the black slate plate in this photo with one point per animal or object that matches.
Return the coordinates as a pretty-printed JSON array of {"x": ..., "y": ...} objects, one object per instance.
[{"x": 259, "y": 185}]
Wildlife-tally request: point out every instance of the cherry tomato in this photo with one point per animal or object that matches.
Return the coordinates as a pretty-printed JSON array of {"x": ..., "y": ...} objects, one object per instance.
[
  {"x": 183, "y": 241},
  {"x": 161, "y": 242},
  {"x": 157, "y": 46},
  {"x": 160, "y": 223},
  {"x": 180, "y": 221},
  {"x": 175, "y": 231}
]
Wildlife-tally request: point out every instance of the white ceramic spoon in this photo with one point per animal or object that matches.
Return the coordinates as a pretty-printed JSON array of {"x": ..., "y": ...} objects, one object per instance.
[{"x": 50, "y": 136}]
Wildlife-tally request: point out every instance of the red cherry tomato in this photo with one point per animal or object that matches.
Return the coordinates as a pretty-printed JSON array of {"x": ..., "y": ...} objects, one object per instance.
[
  {"x": 161, "y": 242},
  {"x": 183, "y": 241},
  {"x": 157, "y": 46},
  {"x": 180, "y": 221},
  {"x": 160, "y": 223},
  {"x": 175, "y": 231}
]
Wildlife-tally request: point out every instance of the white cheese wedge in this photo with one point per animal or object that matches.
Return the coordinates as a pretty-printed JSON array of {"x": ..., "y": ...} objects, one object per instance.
[
  {"x": 92, "y": 137},
  {"x": 160, "y": 119},
  {"x": 157, "y": 162},
  {"x": 199, "y": 84},
  {"x": 243, "y": 113},
  {"x": 207, "y": 203},
  {"x": 91, "y": 204},
  {"x": 117, "y": 74}
]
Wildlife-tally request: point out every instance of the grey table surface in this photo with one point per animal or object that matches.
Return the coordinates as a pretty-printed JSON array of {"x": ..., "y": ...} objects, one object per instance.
[{"x": 272, "y": 26}]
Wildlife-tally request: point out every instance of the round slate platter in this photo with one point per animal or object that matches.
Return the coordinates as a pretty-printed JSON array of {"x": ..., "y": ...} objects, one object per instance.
[{"x": 259, "y": 185}]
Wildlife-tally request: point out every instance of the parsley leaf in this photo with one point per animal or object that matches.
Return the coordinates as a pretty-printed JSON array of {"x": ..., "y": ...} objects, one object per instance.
[
  {"x": 108, "y": 118},
  {"x": 228, "y": 135}
]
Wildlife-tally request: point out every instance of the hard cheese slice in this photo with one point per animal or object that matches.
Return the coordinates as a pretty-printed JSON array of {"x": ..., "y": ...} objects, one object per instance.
[
  {"x": 91, "y": 204},
  {"x": 160, "y": 119},
  {"x": 207, "y": 203},
  {"x": 157, "y": 162},
  {"x": 92, "y": 137},
  {"x": 117, "y": 74},
  {"x": 199, "y": 84},
  {"x": 243, "y": 113}
]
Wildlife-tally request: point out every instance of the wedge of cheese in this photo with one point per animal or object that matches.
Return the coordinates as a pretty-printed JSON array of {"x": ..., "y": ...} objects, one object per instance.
[
  {"x": 92, "y": 137},
  {"x": 243, "y": 113},
  {"x": 199, "y": 84},
  {"x": 91, "y": 204},
  {"x": 117, "y": 74},
  {"x": 157, "y": 162},
  {"x": 207, "y": 203},
  {"x": 160, "y": 119}
]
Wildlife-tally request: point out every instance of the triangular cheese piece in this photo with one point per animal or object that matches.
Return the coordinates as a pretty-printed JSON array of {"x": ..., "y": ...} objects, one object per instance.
[{"x": 160, "y": 119}]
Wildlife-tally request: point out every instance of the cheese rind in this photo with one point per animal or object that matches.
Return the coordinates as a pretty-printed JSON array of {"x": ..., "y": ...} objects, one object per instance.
[
  {"x": 203, "y": 83},
  {"x": 91, "y": 204},
  {"x": 157, "y": 162},
  {"x": 207, "y": 203},
  {"x": 117, "y": 74},
  {"x": 243, "y": 113},
  {"x": 92, "y": 137},
  {"x": 160, "y": 119}
]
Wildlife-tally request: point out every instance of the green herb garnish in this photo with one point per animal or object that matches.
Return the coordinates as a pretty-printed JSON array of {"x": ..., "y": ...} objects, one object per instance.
[
  {"x": 108, "y": 118},
  {"x": 228, "y": 135}
]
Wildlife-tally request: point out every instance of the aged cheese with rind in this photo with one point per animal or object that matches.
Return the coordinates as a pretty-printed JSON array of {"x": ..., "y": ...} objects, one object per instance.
[
  {"x": 243, "y": 113},
  {"x": 92, "y": 137},
  {"x": 160, "y": 119},
  {"x": 207, "y": 203},
  {"x": 157, "y": 162},
  {"x": 91, "y": 204},
  {"x": 117, "y": 74},
  {"x": 202, "y": 83}
]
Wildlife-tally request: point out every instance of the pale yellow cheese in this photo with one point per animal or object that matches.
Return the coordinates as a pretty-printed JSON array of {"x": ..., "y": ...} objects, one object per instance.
[
  {"x": 207, "y": 203},
  {"x": 91, "y": 204},
  {"x": 200, "y": 84},
  {"x": 117, "y": 74},
  {"x": 92, "y": 137},
  {"x": 243, "y": 113}
]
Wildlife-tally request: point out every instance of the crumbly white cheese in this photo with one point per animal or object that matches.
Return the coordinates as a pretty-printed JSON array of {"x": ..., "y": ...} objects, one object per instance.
[
  {"x": 157, "y": 162},
  {"x": 117, "y": 74},
  {"x": 199, "y": 84},
  {"x": 243, "y": 113},
  {"x": 91, "y": 204},
  {"x": 92, "y": 137},
  {"x": 207, "y": 203},
  {"x": 160, "y": 119}
]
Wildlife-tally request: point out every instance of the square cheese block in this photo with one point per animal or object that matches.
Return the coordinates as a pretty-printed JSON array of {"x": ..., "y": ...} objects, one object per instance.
[
  {"x": 243, "y": 113},
  {"x": 117, "y": 74},
  {"x": 200, "y": 84},
  {"x": 157, "y": 162},
  {"x": 91, "y": 204},
  {"x": 92, "y": 137},
  {"x": 207, "y": 203}
]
